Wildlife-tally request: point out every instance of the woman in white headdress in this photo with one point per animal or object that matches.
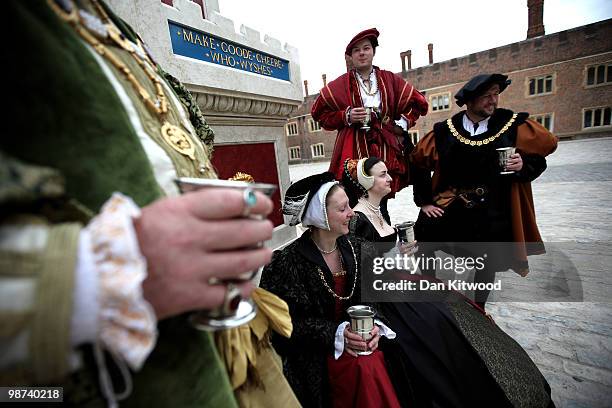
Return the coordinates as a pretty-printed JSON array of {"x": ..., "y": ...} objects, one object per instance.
[{"x": 318, "y": 276}]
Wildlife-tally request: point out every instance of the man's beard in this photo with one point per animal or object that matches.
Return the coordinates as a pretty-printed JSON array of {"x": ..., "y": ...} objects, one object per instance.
[{"x": 484, "y": 114}]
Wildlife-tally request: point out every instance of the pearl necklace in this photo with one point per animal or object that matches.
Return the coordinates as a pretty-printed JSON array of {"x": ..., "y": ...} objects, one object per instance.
[
  {"x": 373, "y": 88},
  {"x": 375, "y": 210},
  {"x": 324, "y": 251}
]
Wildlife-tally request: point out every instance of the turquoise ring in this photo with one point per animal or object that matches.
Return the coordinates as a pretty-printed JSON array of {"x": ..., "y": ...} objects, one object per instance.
[{"x": 250, "y": 199}]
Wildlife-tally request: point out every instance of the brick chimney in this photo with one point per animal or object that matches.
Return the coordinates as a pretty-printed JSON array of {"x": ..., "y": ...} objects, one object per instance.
[
  {"x": 305, "y": 87},
  {"x": 324, "y": 80},
  {"x": 430, "y": 49},
  {"x": 535, "y": 18},
  {"x": 406, "y": 56},
  {"x": 349, "y": 62}
]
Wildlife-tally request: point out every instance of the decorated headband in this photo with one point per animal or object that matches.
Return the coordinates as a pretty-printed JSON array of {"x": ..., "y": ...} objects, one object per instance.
[{"x": 355, "y": 170}]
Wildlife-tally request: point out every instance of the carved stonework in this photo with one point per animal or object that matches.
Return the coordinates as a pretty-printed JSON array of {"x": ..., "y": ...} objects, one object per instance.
[{"x": 236, "y": 106}]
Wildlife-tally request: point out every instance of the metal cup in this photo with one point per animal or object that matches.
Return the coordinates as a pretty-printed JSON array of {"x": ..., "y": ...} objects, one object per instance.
[
  {"x": 362, "y": 323},
  {"x": 366, "y": 120},
  {"x": 405, "y": 231},
  {"x": 234, "y": 311},
  {"x": 504, "y": 154}
]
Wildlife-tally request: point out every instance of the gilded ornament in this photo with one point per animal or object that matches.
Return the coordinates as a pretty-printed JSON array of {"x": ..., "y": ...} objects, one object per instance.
[
  {"x": 174, "y": 136},
  {"x": 178, "y": 139},
  {"x": 119, "y": 38},
  {"x": 240, "y": 176},
  {"x": 488, "y": 140}
]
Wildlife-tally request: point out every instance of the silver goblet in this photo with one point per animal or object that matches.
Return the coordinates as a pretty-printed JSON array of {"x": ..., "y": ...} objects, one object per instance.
[
  {"x": 362, "y": 323},
  {"x": 405, "y": 231},
  {"x": 504, "y": 156},
  {"x": 234, "y": 311},
  {"x": 366, "y": 120}
]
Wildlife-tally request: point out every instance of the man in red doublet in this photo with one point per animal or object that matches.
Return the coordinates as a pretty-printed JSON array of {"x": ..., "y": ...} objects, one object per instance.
[{"x": 396, "y": 105}]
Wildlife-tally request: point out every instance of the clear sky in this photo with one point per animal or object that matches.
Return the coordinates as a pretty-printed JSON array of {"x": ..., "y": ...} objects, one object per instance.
[{"x": 320, "y": 29}]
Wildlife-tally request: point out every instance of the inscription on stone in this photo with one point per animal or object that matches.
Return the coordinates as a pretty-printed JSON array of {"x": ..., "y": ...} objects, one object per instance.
[{"x": 207, "y": 47}]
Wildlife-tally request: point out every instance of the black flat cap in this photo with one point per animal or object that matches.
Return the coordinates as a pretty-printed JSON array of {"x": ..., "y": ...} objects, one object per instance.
[
  {"x": 300, "y": 193},
  {"x": 479, "y": 84}
]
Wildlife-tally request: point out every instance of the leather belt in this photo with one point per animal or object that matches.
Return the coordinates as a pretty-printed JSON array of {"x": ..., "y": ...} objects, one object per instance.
[{"x": 469, "y": 197}]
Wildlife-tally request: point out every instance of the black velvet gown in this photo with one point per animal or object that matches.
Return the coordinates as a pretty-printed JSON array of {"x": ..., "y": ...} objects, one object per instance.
[
  {"x": 450, "y": 355},
  {"x": 293, "y": 275},
  {"x": 362, "y": 227}
]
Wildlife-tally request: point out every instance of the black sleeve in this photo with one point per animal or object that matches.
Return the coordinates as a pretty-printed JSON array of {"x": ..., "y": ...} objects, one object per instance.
[
  {"x": 309, "y": 333},
  {"x": 408, "y": 145},
  {"x": 281, "y": 277},
  {"x": 358, "y": 226},
  {"x": 533, "y": 166},
  {"x": 421, "y": 186}
]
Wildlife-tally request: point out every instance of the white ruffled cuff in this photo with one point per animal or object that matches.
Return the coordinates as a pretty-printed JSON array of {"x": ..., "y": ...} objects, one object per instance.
[
  {"x": 84, "y": 329},
  {"x": 403, "y": 123},
  {"x": 384, "y": 330},
  {"x": 347, "y": 116},
  {"x": 127, "y": 322}
]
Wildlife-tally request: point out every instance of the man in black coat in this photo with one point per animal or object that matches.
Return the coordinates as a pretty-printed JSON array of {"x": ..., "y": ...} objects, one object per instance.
[{"x": 471, "y": 197}]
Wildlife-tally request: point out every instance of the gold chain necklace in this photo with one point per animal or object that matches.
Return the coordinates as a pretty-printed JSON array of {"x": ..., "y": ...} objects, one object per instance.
[
  {"x": 330, "y": 290},
  {"x": 488, "y": 140},
  {"x": 173, "y": 135},
  {"x": 342, "y": 271}
]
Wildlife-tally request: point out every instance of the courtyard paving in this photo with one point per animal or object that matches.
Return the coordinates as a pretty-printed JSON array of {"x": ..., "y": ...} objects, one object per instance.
[{"x": 571, "y": 342}]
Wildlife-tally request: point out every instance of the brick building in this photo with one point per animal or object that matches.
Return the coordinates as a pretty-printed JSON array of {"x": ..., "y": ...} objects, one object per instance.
[
  {"x": 307, "y": 141},
  {"x": 564, "y": 80}
]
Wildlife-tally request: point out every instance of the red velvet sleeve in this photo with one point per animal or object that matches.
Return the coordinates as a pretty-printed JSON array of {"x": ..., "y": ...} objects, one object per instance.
[
  {"x": 329, "y": 116},
  {"x": 411, "y": 103}
]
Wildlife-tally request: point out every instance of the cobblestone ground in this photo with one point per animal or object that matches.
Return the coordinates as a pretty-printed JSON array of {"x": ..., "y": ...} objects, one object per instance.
[{"x": 571, "y": 342}]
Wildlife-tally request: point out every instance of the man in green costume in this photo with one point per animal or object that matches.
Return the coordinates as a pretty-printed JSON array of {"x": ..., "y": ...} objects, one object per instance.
[{"x": 100, "y": 255}]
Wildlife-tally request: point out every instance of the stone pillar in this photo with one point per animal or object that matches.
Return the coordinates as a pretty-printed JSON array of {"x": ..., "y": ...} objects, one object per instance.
[
  {"x": 430, "y": 49},
  {"x": 324, "y": 78},
  {"x": 245, "y": 104},
  {"x": 305, "y": 88}
]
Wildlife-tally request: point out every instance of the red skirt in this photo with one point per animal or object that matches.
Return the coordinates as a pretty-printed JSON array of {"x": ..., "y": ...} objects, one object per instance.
[{"x": 361, "y": 382}]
